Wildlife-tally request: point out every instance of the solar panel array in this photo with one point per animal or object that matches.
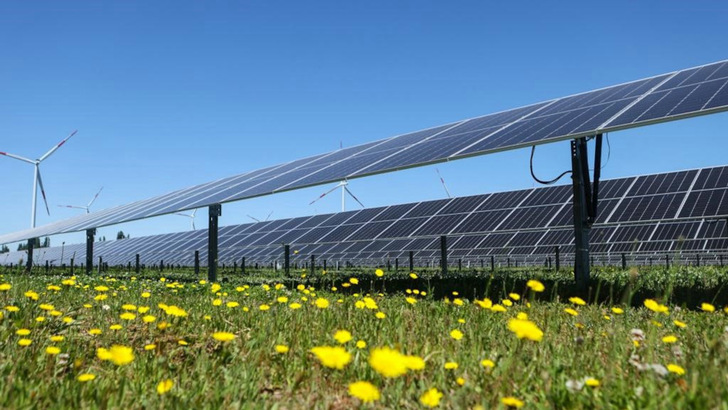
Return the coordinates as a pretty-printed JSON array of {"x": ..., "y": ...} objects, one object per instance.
[
  {"x": 681, "y": 211},
  {"x": 690, "y": 92}
]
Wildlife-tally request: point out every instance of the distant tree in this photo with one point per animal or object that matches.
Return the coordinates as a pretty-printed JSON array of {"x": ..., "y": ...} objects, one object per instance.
[
  {"x": 4, "y": 249},
  {"x": 24, "y": 246},
  {"x": 120, "y": 235},
  {"x": 46, "y": 242}
]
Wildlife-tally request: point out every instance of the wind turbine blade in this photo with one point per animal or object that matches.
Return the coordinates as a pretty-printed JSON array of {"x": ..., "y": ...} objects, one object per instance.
[
  {"x": 255, "y": 219},
  {"x": 268, "y": 217},
  {"x": 42, "y": 191},
  {"x": 447, "y": 191},
  {"x": 324, "y": 194},
  {"x": 353, "y": 196},
  {"x": 181, "y": 214},
  {"x": 7, "y": 154},
  {"x": 52, "y": 150},
  {"x": 71, "y": 206},
  {"x": 194, "y": 212},
  {"x": 95, "y": 196}
]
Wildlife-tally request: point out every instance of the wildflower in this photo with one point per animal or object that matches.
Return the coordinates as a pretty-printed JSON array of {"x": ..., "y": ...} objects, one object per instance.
[
  {"x": 680, "y": 324},
  {"x": 232, "y": 305},
  {"x": 25, "y": 342},
  {"x": 40, "y": 319},
  {"x": 322, "y": 303},
  {"x": 164, "y": 386},
  {"x": 487, "y": 363},
  {"x": 333, "y": 357},
  {"x": 380, "y": 315},
  {"x": 370, "y": 303},
  {"x": 655, "y": 307},
  {"x": 22, "y": 332},
  {"x": 215, "y": 288},
  {"x": 223, "y": 336},
  {"x": 12, "y": 308},
  {"x": 52, "y": 350},
  {"x": 119, "y": 355},
  {"x": 364, "y": 391},
  {"x": 535, "y": 285},
  {"x": 525, "y": 328},
  {"x": 128, "y": 306},
  {"x": 431, "y": 398},
  {"x": 217, "y": 302},
  {"x": 115, "y": 327},
  {"x": 149, "y": 319},
  {"x": 414, "y": 363},
  {"x": 354, "y": 281},
  {"x": 5, "y": 286},
  {"x": 182, "y": 342},
  {"x": 150, "y": 346},
  {"x": 617, "y": 311},
  {"x": 673, "y": 368},
  {"x": 128, "y": 316},
  {"x": 146, "y": 294},
  {"x": 57, "y": 338},
  {"x": 571, "y": 311},
  {"x": 511, "y": 401},
  {"x": 264, "y": 307},
  {"x": 361, "y": 344},
  {"x": 592, "y": 382},
  {"x": 413, "y": 275},
  {"x": 522, "y": 316},
  {"x": 379, "y": 273},
  {"x": 342, "y": 336},
  {"x": 669, "y": 339},
  {"x": 411, "y": 301},
  {"x": 46, "y": 306},
  {"x": 175, "y": 311},
  {"x": 485, "y": 303},
  {"x": 514, "y": 296},
  {"x": 86, "y": 377},
  {"x": 101, "y": 289},
  {"x": 456, "y": 334},
  {"x": 388, "y": 362},
  {"x": 451, "y": 365},
  {"x": 459, "y": 302},
  {"x": 282, "y": 349},
  {"x": 294, "y": 306},
  {"x": 95, "y": 332},
  {"x": 577, "y": 301},
  {"x": 498, "y": 309},
  {"x": 707, "y": 307}
]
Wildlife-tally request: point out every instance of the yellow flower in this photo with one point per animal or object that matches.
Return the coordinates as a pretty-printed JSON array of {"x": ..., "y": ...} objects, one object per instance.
[
  {"x": 22, "y": 332},
  {"x": 215, "y": 288},
  {"x": 431, "y": 398},
  {"x": 673, "y": 368},
  {"x": 294, "y": 306},
  {"x": 577, "y": 301},
  {"x": 592, "y": 382},
  {"x": 388, "y": 362},
  {"x": 128, "y": 306},
  {"x": 617, "y": 311},
  {"x": 488, "y": 364},
  {"x": 571, "y": 311},
  {"x": 679, "y": 323},
  {"x": 498, "y": 308},
  {"x": 150, "y": 346},
  {"x": 182, "y": 342},
  {"x": 282, "y": 349},
  {"x": 504, "y": 302},
  {"x": 413, "y": 275},
  {"x": 361, "y": 344},
  {"x": 364, "y": 391},
  {"x": 451, "y": 365},
  {"x": 57, "y": 339},
  {"x": 525, "y": 329},
  {"x": 146, "y": 294},
  {"x": 223, "y": 336},
  {"x": 411, "y": 301},
  {"x": 460, "y": 381},
  {"x": 511, "y": 401},
  {"x": 707, "y": 307},
  {"x": 322, "y": 303},
  {"x": 655, "y": 307},
  {"x": 414, "y": 363},
  {"x": 101, "y": 289},
  {"x": 149, "y": 319},
  {"x": 5, "y": 286},
  {"x": 514, "y": 296},
  {"x": 456, "y": 334},
  {"x": 12, "y": 308},
  {"x": 94, "y": 332},
  {"x": 119, "y": 355},
  {"x": 342, "y": 336},
  {"x": 25, "y": 342},
  {"x": 354, "y": 281},
  {"x": 380, "y": 315},
  {"x": 333, "y": 357},
  {"x": 67, "y": 319},
  {"x": 128, "y": 316},
  {"x": 31, "y": 295},
  {"x": 232, "y": 305},
  {"x": 264, "y": 307},
  {"x": 535, "y": 285},
  {"x": 115, "y": 327},
  {"x": 669, "y": 339},
  {"x": 175, "y": 311},
  {"x": 85, "y": 377},
  {"x": 379, "y": 273},
  {"x": 522, "y": 316},
  {"x": 40, "y": 319},
  {"x": 52, "y": 350},
  {"x": 217, "y": 302},
  {"x": 282, "y": 299},
  {"x": 164, "y": 386},
  {"x": 46, "y": 306}
]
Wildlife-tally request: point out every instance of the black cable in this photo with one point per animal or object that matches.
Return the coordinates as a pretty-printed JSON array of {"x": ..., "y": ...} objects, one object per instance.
[{"x": 533, "y": 149}]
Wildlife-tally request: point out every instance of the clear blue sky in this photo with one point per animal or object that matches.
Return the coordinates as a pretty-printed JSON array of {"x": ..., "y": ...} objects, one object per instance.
[{"x": 167, "y": 94}]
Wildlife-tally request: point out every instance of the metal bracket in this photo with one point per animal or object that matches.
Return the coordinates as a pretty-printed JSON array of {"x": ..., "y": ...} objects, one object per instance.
[
  {"x": 215, "y": 211},
  {"x": 586, "y": 196}
]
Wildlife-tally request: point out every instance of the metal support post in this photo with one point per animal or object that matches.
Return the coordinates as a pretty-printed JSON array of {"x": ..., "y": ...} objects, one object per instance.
[
  {"x": 624, "y": 262},
  {"x": 286, "y": 258},
  {"x": 443, "y": 254},
  {"x": 411, "y": 261},
  {"x": 242, "y": 266},
  {"x": 585, "y": 204},
  {"x": 697, "y": 259},
  {"x": 557, "y": 258},
  {"x": 197, "y": 262},
  {"x": 29, "y": 262},
  {"x": 215, "y": 211},
  {"x": 90, "y": 233},
  {"x": 492, "y": 263},
  {"x": 313, "y": 263}
]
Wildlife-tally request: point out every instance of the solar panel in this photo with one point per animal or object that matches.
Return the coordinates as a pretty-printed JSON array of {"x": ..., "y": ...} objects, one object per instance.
[
  {"x": 650, "y": 213},
  {"x": 685, "y": 93}
]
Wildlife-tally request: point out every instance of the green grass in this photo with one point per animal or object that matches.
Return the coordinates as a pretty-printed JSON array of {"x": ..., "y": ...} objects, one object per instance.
[{"x": 248, "y": 373}]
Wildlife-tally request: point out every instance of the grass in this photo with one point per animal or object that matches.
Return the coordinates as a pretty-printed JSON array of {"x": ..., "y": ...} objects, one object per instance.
[{"x": 247, "y": 372}]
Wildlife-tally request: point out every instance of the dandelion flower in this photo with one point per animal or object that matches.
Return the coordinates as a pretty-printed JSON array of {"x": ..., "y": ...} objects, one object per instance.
[
  {"x": 380, "y": 315},
  {"x": 379, "y": 273},
  {"x": 577, "y": 301},
  {"x": 592, "y": 382},
  {"x": 5, "y": 286},
  {"x": 680, "y": 324},
  {"x": 57, "y": 338},
  {"x": 413, "y": 275},
  {"x": 617, "y": 311},
  {"x": 282, "y": 349},
  {"x": 94, "y": 332},
  {"x": 52, "y": 350},
  {"x": 571, "y": 311},
  {"x": 149, "y": 319},
  {"x": 431, "y": 398},
  {"x": 223, "y": 336},
  {"x": 414, "y": 362},
  {"x": 525, "y": 329},
  {"x": 411, "y": 301},
  {"x": 127, "y": 316},
  {"x": 673, "y": 368},
  {"x": 333, "y": 357},
  {"x": 86, "y": 377},
  {"x": 150, "y": 346},
  {"x": 451, "y": 365},
  {"x": 164, "y": 386},
  {"x": 669, "y": 339},
  {"x": 342, "y": 336},
  {"x": 487, "y": 363},
  {"x": 388, "y": 362},
  {"x": 456, "y": 334},
  {"x": 364, "y": 391},
  {"x": 707, "y": 307},
  {"x": 514, "y": 296},
  {"x": 655, "y": 307},
  {"x": 294, "y": 306},
  {"x": 361, "y": 344},
  {"x": 25, "y": 342},
  {"x": 22, "y": 332},
  {"x": 322, "y": 303},
  {"x": 535, "y": 285},
  {"x": 460, "y": 381},
  {"x": 264, "y": 307}
]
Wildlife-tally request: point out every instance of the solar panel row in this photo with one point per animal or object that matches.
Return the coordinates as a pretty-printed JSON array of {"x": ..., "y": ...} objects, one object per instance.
[
  {"x": 696, "y": 91},
  {"x": 651, "y": 213}
]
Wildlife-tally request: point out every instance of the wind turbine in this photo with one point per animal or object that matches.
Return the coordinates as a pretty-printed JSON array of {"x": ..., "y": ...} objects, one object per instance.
[
  {"x": 344, "y": 190},
  {"x": 258, "y": 220},
  {"x": 447, "y": 191},
  {"x": 87, "y": 207},
  {"x": 37, "y": 179},
  {"x": 191, "y": 216}
]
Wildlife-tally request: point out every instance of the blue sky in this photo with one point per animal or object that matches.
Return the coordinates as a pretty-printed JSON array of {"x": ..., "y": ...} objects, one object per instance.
[{"x": 167, "y": 94}]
